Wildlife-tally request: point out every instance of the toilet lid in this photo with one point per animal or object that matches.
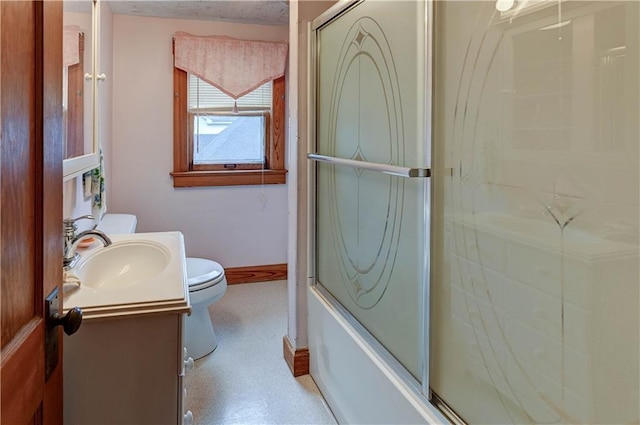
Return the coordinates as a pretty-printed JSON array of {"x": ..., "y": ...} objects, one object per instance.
[{"x": 201, "y": 271}]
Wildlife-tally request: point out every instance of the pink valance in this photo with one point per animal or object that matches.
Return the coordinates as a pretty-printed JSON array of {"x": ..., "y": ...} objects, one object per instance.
[
  {"x": 236, "y": 67},
  {"x": 70, "y": 45}
]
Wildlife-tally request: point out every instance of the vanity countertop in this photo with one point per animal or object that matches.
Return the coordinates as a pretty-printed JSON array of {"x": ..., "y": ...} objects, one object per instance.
[{"x": 140, "y": 273}]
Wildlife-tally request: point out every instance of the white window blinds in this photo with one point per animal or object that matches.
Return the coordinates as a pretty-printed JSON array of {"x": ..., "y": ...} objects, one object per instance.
[{"x": 204, "y": 96}]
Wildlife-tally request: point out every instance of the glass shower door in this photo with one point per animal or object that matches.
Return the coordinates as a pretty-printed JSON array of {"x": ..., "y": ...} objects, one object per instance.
[
  {"x": 370, "y": 228},
  {"x": 535, "y": 283}
]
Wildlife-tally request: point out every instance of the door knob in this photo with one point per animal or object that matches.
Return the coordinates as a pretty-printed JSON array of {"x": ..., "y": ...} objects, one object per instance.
[{"x": 70, "y": 322}]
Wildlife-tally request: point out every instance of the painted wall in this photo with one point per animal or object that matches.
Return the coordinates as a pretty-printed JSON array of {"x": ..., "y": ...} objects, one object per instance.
[{"x": 236, "y": 225}]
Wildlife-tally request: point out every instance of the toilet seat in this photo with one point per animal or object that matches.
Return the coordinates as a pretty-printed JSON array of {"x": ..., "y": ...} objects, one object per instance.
[{"x": 203, "y": 273}]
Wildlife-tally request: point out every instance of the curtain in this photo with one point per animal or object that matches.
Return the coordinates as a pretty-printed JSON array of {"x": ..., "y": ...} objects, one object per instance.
[{"x": 234, "y": 66}]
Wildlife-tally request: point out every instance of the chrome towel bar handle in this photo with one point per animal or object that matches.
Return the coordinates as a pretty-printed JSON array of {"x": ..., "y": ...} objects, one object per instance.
[{"x": 393, "y": 170}]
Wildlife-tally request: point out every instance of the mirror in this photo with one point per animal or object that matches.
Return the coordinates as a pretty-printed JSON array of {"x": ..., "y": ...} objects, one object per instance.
[{"x": 80, "y": 32}]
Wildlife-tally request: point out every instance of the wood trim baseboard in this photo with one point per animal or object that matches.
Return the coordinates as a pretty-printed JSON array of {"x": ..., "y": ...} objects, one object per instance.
[
  {"x": 297, "y": 360},
  {"x": 252, "y": 274}
]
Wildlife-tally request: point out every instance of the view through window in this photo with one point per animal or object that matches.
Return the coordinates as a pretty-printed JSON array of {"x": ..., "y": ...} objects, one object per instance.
[{"x": 227, "y": 132}]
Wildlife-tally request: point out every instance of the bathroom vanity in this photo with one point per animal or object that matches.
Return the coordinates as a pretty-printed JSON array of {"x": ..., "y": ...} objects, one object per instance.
[
  {"x": 126, "y": 363},
  {"x": 534, "y": 313},
  {"x": 125, "y": 370}
]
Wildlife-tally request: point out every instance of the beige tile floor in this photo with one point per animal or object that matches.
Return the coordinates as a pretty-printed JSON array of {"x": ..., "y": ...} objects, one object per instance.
[{"x": 246, "y": 380}]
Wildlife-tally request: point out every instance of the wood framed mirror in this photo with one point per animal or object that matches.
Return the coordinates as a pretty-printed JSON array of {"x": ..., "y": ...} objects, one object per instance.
[{"x": 80, "y": 36}]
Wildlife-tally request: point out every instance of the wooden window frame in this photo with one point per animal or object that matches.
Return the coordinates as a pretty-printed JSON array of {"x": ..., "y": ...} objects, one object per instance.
[{"x": 185, "y": 174}]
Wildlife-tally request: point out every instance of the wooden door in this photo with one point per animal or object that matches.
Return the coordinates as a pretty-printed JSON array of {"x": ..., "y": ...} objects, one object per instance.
[{"x": 30, "y": 205}]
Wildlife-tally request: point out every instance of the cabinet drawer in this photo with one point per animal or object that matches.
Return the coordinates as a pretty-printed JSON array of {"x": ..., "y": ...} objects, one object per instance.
[
  {"x": 534, "y": 348},
  {"x": 480, "y": 281},
  {"x": 537, "y": 309},
  {"x": 480, "y": 247}
]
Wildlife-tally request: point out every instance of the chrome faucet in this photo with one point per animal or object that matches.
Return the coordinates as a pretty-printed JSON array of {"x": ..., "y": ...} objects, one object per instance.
[{"x": 71, "y": 240}]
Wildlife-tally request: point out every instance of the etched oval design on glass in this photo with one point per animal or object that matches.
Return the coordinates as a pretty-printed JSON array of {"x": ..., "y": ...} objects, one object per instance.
[{"x": 365, "y": 124}]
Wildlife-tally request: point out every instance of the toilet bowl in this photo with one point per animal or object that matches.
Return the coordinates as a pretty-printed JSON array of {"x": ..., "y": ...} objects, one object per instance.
[{"x": 207, "y": 284}]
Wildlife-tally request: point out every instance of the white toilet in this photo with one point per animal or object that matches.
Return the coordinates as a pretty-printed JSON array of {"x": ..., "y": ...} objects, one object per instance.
[{"x": 207, "y": 284}]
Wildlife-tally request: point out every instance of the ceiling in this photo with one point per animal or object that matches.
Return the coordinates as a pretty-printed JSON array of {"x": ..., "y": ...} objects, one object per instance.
[{"x": 265, "y": 12}]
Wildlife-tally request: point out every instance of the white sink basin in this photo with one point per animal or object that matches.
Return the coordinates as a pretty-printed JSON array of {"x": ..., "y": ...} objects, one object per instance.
[
  {"x": 122, "y": 264},
  {"x": 139, "y": 273}
]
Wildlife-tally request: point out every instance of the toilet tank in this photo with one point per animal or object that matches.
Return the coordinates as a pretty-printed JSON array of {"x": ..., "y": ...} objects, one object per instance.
[{"x": 118, "y": 223}]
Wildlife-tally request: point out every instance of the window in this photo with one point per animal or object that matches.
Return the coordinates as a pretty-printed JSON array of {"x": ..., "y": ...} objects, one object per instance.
[
  {"x": 228, "y": 133},
  {"x": 228, "y": 140},
  {"x": 219, "y": 141}
]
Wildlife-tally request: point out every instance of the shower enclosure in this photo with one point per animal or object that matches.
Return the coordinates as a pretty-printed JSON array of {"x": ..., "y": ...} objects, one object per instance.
[{"x": 476, "y": 197}]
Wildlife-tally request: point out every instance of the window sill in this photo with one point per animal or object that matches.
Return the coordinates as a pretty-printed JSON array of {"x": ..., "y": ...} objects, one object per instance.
[{"x": 228, "y": 178}]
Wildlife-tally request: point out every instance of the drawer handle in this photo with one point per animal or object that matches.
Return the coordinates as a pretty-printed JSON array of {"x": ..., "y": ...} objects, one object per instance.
[
  {"x": 544, "y": 271},
  {"x": 539, "y": 313},
  {"x": 188, "y": 364},
  {"x": 187, "y": 418}
]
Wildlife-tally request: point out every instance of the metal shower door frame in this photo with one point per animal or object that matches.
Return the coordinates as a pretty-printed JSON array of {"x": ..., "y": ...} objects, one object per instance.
[{"x": 420, "y": 389}]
